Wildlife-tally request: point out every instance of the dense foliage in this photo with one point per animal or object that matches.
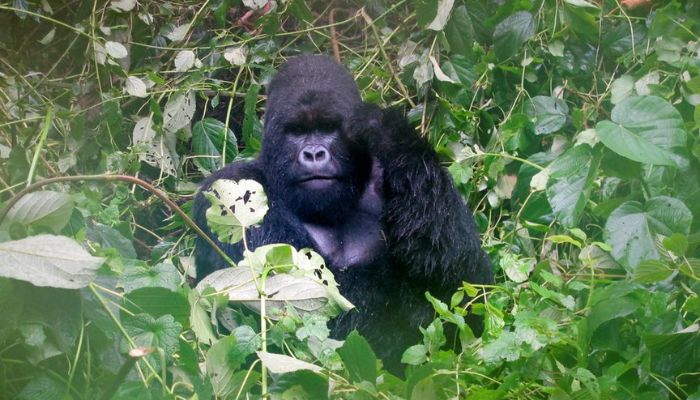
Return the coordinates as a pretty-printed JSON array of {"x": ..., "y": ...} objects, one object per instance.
[{"x": 570, "y": 126}]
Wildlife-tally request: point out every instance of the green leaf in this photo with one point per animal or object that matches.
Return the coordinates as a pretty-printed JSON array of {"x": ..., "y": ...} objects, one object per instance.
[
  {"x": 157, "y": 301},
  {"x": 302, "y": 384},
  {"x": 209, "y": 136},
  {"x": 676, "y": 243},
  {"x": 235, "y": 205},
  {"x": 621, "y": 88},
  {"x": 42, "y": 208},
  {"x": 559, "y": 239},
  {"x": 675, "y": 353},
  {"x": 146, "y": 331},
  {"x": 632, "y": 228},
  {"x": 570, "y": 182},
  {"x": 512, "y": 32},
  {"x": 516, "y": 269},
  {"x": 581, "y": 18},
  {"x": 178, "y": 111},
  {"x": 282, "y": 364},
  {"x": 48, "y": 260},
  {"x": 163, "y": 275},
  {"x": 651, "y": 271},
  {"x": 109, "y": 237},
  {"x": 415, "y": 355},
  {"x": 459, "y": 32},
  {"x": 359, "y": 359},
  {"x": 200, "y": 321},
  {"x": 644, "y": 129},
  {"x": 549, "y": 114},
  {"x": 252, "y": 129},
  {"x": 426, "y": 10},
  {"x": 43, "y": 387},
  {"x": 223, "y": 363}
]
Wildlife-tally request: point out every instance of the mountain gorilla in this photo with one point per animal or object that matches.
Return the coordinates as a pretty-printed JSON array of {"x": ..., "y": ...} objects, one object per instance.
[{"x": 362, "y": 188}]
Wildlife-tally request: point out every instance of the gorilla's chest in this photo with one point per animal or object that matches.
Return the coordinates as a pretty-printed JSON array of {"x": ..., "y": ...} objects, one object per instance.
[{"x": 357, "y": 242}]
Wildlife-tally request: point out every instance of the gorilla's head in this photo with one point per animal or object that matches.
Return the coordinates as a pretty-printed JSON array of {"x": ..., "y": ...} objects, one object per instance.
[{"x": 310, "y": 165}]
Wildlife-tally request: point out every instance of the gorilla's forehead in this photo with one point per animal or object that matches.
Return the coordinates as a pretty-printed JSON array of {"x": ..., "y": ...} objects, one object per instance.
[{"x": 311, "y": 86}]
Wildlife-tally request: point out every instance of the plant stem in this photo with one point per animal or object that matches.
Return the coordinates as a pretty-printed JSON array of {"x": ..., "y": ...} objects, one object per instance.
[{"x": 42, "y": 139}]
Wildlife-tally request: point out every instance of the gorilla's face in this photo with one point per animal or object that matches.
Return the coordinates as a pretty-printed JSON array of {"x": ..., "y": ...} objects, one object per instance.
[
  {"x": 315, "y": 171},
  {"x": 311, "y": 168}
]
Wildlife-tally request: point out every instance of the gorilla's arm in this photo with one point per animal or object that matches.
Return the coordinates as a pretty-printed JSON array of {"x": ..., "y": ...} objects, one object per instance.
[
  {"x": 430, "y": 231},
  {"x": 276, "y": 227}
]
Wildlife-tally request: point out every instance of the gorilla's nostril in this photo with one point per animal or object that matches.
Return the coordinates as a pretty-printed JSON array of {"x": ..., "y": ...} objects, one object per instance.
[
  {"x": 307, "y": 156},
  {"x": 321, "y": 155}
]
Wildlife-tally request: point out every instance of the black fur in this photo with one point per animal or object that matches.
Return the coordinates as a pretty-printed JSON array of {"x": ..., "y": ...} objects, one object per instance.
[{"x": 391, "y": 227}]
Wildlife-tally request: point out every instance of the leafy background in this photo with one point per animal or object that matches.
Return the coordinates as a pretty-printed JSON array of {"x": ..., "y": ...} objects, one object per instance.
[{"x": 570, "y": 126}]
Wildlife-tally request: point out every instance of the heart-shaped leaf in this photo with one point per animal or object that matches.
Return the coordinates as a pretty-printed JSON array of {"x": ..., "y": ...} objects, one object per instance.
[{"x": 644, "y": 129}]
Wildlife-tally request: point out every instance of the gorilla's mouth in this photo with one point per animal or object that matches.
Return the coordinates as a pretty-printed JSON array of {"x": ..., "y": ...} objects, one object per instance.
[{"x": 318, "y": 182}]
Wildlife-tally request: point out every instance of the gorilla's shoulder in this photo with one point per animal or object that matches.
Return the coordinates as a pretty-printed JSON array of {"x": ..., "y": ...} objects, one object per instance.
[{"x": 243, "y": 169}]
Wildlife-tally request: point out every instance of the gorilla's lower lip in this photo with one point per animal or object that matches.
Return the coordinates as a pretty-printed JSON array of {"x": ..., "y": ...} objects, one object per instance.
[{"x": 318, "y": 182}]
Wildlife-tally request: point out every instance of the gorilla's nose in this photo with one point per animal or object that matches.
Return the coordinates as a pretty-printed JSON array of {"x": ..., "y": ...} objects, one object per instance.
[{"x": 314, "y": 156}]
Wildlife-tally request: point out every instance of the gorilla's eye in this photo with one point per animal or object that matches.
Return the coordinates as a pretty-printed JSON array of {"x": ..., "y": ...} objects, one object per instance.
[
  {"x": 327, "y": 125},
  {"x": 317, "y": 125}
]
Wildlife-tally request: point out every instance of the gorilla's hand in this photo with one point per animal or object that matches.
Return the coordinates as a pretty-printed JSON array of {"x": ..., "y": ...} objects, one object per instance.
[
  {"x": 364, "y": 126},
  {"x": 386, "y": 134}
]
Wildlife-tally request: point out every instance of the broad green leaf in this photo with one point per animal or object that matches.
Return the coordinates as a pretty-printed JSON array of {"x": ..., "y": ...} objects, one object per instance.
[
  {"x": 415, "y": 355},
  {"x": 236, "y": 55},
  {"x": 676, "y": 243},
  {"x": 632, "y": 228},
  {"x": 304, "y": 294},
  {"x": 154, "y": 149},
  {"x": 42, "y": 208},
  {"x": 200, "y": 321},
  {"x": 48, "y": 260},
  {"x": 570, "y": 182},
  {"x": 302, "y": 384},
  {"x": 178, "y": 111},
  {"x": 651, "y": 271},
  {"x": 503, "y": 347},
  {"x": 209, "y": 139},
  {"x": 136, "y": 87},
  {"x": 163, "y": 275},
  {"x": 109, "y": 237},
  {"x": 459, "y": 32},
  {"x": 282, "y": 364},
  {"x": 235, "y": 205},
  {"x": 157, "y": 302},
  {"x": 512, "y": 32},
  {"x": 549, "y": 114},
  {"x": 146, "y": 331},
  {"x": 644, "y": 129},
  {"x": 116, "y": 50},
  {"x": 674, "y": 353},
  {"x": 184, "y": 60},
  {"x": 621, "y": 88},
  {"x": 44, "y": 387},
  {"x": 359, "y": 359},
  {"x": 426, "y": 10},
  {"x": 581, "y": 18},
  {"x": 223, "y": 364},
  {"x": 614, "y": 301},
  {"x": 516, "y": 269}
]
